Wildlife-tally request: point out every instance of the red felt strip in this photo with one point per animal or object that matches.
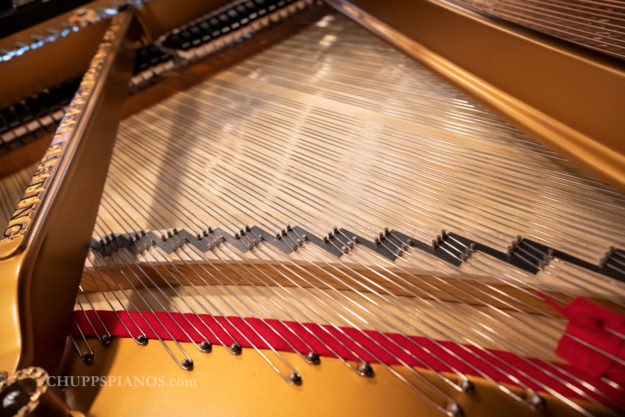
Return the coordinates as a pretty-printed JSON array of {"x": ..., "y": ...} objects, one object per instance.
[
  {"x": 590, "y": 326},
  {"x": 348, "y": 342}
]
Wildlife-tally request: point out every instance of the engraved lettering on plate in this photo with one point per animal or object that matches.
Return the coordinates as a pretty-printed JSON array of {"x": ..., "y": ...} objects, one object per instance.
[{"x": 46, "y": 169}]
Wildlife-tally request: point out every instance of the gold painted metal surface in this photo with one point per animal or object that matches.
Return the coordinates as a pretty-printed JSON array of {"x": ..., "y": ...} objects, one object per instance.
[
  {"x": 224, "y": 385},
  {"x": 567, "y": 99},
  {"x": 42, "y": 249}
]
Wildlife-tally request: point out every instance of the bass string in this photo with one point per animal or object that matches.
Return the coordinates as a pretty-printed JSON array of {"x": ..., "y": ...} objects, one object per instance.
[{"x": 559, "y": 18}]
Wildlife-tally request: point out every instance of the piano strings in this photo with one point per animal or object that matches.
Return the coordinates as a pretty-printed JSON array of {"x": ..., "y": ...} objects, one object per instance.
[{"x": 336, "y": 133}]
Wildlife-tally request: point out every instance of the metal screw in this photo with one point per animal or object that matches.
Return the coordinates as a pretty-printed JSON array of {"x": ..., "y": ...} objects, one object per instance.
[
  {"x": 365, "y": 369},
  {"x": 295, "y": 378},
  {"x": 313, "y": 358},
  {"x": 87, "y": 357},
  {"x": 235, "y": 349},
  {"x": 187, "y": 364},
  {"x": 106, "y": 340}
]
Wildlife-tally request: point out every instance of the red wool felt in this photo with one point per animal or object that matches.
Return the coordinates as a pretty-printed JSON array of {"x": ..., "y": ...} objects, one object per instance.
[
  {"x": 351, "y": 344},
  {"x": 588, "y": 343}
]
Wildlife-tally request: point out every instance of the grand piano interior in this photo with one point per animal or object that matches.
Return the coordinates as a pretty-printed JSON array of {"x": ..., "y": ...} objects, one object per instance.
[{"x": 313, "y": 208}]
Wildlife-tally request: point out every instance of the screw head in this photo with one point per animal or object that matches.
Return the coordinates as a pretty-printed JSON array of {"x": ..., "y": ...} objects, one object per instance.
[
  {"x": 313, "y": 358},
  {"x": 87, "y": 357},
  {"x": 295, "y": 378},
  {"x": 365, "y": 369},
  {"x": 236, "y": 349},
  {"x": 467, "y": 386},
  {"x": 206, "y": 346},
  {"x": 187, "y": 364},
  {"x": 106, "y": 340}
]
